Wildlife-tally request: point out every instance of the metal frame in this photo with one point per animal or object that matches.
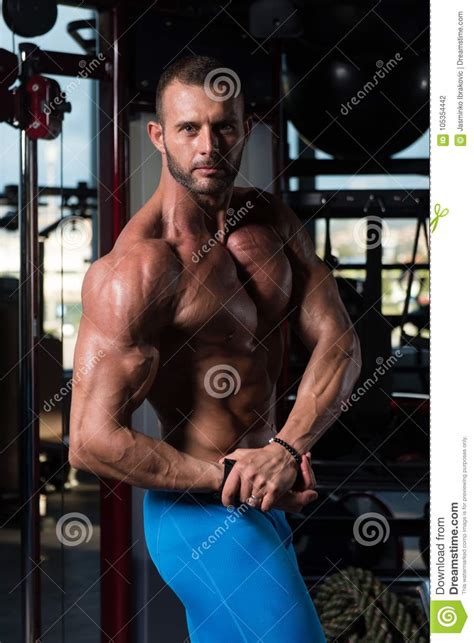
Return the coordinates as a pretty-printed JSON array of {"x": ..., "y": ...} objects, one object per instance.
[
  {"x": 32, "y": 61},
  {"x": 28, "y": 398},
  {"x": 116, "y": 528},
  {"x": 115, "y": 517}
]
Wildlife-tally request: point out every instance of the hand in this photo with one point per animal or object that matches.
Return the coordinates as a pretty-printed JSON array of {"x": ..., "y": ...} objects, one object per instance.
[
  {"x": 267, "y": 472},
  {"x": 302, "y": 493},
  {"x": 305, "y": 478}
]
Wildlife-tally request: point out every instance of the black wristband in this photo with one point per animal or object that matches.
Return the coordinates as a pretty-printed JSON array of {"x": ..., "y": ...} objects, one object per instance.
[
  {"x": 228, "y": 464},
  {"x": 288, "y": 447}
]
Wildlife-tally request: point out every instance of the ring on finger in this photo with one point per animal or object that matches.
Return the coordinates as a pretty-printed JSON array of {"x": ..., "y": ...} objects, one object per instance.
[{"x": 252, "y": 500}]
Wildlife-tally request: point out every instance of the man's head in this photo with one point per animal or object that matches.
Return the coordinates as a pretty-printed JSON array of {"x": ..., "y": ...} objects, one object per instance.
[{"x": 202, "y": 125}]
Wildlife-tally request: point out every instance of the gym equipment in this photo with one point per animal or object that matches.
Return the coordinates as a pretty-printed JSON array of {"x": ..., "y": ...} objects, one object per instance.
[
  {"x": 386, "y": 552},
  {"x": 274, "y": 18},
  {"x": 328, "y": 533},
  {"x": 9, "y": 447},
  {"x": 8, "y": 67},
  {"x": 330, "y": 260},
  {"x": 388, "y": 25},
  {"x": 25, "y": 109},
  {"x": 8, "y": 74},
  {"x": 409, "y": 429},
  {"x": 37, "y": 105},
  {"x": 425, "y": 537},
  {"x": 89, "y": 45},
  {"x": 155, "y": 42},
  {"x": 423, "y": 314},
  {"x": 352, "y": 295},
  {"x": 30, "y": 18},
  {"x": 320, "y": 92},
  {"x": 354, "y": 604}
]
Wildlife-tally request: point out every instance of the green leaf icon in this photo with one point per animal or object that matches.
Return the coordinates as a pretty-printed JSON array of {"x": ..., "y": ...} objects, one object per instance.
[{"x": 447, "y": 617}]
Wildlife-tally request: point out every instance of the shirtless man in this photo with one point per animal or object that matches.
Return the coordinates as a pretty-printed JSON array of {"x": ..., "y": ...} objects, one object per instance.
[{"x": 186, "y": 311}]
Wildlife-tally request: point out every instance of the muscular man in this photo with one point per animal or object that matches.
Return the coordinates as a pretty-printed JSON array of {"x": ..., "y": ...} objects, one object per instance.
[{"x": 186, "y": 311}]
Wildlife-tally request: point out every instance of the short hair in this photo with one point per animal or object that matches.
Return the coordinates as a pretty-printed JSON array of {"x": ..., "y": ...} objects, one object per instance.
[{"x": 189, "y": 70}]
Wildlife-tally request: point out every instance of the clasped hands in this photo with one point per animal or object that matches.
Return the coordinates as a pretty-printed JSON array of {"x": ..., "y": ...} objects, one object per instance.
[{"x": 273, "y": 476}]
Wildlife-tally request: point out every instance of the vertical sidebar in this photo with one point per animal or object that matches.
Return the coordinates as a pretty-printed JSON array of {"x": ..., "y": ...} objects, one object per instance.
[{"x": 452, "y": 239}]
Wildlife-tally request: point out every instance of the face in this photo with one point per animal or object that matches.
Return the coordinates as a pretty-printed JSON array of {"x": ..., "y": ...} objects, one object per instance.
[{"x": 201, "y": 139}]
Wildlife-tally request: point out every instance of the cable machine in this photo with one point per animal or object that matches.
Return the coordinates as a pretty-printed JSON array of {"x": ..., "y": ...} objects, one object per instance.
[{"x": 36, "y": 107}]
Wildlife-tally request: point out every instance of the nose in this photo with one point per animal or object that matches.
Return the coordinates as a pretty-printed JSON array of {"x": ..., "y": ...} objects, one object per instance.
[{"x": 208, "y": 141}]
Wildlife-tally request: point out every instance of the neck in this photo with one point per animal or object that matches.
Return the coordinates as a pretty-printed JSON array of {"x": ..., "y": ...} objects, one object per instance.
[{"x": 183, "y": 211}]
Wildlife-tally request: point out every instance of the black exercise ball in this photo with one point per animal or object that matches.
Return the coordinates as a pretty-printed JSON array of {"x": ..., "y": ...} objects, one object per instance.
[
  {"x": 378, "y": 104},
  {"x": 389, "y": 25},
  {"x": 30, "y": 18}
]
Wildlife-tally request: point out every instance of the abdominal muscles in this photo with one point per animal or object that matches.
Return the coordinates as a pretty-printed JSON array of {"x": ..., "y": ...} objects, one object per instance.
[{"x": 214, "y": 398}]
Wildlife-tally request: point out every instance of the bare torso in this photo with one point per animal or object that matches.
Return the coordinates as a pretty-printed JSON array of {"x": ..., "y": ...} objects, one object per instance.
[{"x": 221, "y": 355}]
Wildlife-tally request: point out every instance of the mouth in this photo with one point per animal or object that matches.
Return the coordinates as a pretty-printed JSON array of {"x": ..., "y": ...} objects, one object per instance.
[{"x": 208, "y": 170}]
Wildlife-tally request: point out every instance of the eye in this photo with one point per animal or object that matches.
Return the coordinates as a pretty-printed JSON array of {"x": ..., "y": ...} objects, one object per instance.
[
  {"x": 188, "y": 128},
  {"x": 227, "y": 127}
]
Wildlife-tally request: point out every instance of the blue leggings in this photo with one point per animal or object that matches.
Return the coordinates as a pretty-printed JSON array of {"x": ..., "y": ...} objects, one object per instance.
[{"x": 234, "y": 570}]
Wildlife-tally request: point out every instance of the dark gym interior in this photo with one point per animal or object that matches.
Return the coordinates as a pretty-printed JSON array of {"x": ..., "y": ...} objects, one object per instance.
[{"x": 356, "y": 172}]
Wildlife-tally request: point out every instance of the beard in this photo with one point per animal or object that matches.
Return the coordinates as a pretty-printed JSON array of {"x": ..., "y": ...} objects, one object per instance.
[{"x": 209, "y": 185}]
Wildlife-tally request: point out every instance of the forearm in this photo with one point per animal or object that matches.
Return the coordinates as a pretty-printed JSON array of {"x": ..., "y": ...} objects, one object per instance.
[
  {"x": 327, "y": 381},
  {"x": 142, "y": 461}
]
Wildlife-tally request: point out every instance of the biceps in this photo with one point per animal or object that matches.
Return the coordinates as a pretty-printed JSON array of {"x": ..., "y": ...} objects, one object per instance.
[{"x": 319, "y": 312}]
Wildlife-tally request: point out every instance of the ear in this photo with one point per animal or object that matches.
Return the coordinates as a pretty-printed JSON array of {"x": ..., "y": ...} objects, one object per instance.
[
  {"x": 155, "y": 132},
  {"x": 248, "y": 125}
]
